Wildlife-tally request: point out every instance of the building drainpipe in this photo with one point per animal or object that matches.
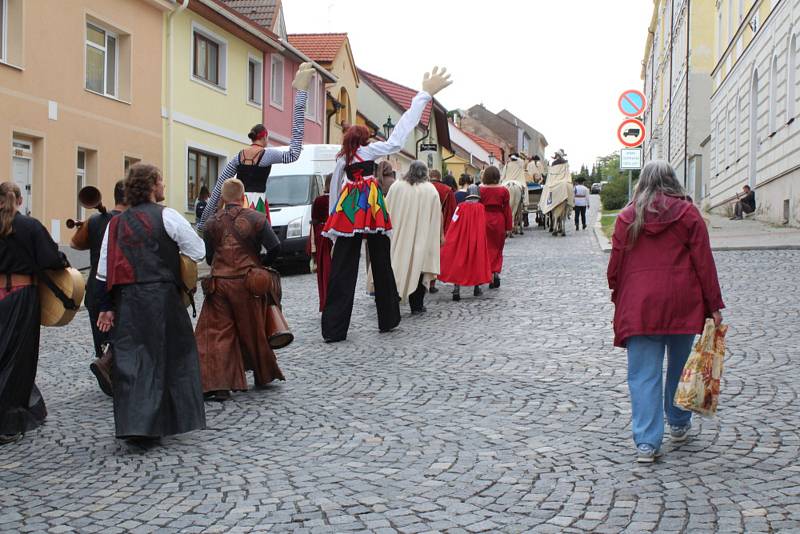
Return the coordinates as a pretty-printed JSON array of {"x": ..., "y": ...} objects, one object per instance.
[
  {"x": 169, "y": 93},
  {"x": 671, "y": 43},
  {"x": 686, "y": 104}
]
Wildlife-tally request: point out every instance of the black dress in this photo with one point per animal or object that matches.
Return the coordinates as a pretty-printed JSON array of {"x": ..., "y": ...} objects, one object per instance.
[
  {"x": 156, "y": 375},
  {"x": 22, "y": 407}
]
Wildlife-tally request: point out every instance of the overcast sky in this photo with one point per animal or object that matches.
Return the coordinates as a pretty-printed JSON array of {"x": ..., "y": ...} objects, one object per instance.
[{"x": 557, "y": 64}]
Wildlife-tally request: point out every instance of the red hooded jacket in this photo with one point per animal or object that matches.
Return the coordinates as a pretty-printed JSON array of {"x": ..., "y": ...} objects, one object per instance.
[{"x": 666, "y": 283}]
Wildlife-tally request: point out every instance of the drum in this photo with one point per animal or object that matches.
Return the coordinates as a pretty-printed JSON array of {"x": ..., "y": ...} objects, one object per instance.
[
  {"x": 70, "y": 281},
  {"x": 189, "y": 279}
]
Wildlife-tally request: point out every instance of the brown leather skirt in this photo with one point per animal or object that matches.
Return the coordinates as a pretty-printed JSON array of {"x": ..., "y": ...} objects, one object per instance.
[{"x": 232, "y": 339}]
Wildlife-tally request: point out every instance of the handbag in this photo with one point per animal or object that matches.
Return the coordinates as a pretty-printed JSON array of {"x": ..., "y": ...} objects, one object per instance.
[{"x": 699, "y": 388}]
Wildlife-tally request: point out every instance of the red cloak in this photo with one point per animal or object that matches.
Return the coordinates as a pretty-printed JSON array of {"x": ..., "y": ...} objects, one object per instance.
[
  {"x": 448, "y": 200},
  {"x": 323, "y": 245},
  {"x": 465, "y": 253},
  {"x": 498, "y": 221}
]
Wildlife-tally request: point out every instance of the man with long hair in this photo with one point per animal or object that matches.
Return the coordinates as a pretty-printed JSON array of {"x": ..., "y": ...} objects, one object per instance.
[
  {"x": 157, "y": 389},
  {"x": 231, "y": 337},
  {"x": 25, "y": 249},
  {"x": 358, "y": 209},
  {"x": 417, "y": 213}
]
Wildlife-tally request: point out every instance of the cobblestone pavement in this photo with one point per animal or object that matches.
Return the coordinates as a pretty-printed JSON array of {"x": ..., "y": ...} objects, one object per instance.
[{"x": 507, "y": 413}]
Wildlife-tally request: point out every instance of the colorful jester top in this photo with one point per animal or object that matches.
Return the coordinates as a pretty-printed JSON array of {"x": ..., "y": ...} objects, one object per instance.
[{"x": 360, "y": 207}]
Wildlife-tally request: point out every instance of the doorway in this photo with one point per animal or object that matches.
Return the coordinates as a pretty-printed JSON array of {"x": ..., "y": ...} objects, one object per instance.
[{"x": 21, "y": 168}]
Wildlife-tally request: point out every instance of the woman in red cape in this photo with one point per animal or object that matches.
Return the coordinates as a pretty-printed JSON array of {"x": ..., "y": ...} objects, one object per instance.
[
  {"x": 319, "y": 247},
  {"x": 495, "y": 199},
  {"x": 465, "y": 253}
]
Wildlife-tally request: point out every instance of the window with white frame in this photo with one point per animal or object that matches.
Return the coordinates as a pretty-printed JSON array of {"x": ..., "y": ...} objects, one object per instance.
[
  {"x": 255, "y": 81},
  {"x": 730, "y": 20},
  {"x": 313, "y": 98},
  {"x": 791, "y": 80},
  {"x": 276, "y": 81},
  {"x": 773, "y": 97},
  {"x": 738, "y": 126},
  {"x": 202, "y": 174},
  {"x": 80, "y": 182},
  {"x": 102, "y": 60},
  {"x": 209, "y": 57}
]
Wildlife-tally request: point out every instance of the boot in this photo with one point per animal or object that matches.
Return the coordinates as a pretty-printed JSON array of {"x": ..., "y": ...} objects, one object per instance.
[
  {"x": 456, "y": 294},
  {"x": 477, "y": 292},
  {"x": 101, "y": 368}
]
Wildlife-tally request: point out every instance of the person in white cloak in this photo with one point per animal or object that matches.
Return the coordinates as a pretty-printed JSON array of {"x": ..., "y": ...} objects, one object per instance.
[{"x": 416, "y": 212}]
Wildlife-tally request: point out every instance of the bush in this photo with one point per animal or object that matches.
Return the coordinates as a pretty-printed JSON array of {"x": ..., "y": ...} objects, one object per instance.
[{"x": 614, "y": 195}]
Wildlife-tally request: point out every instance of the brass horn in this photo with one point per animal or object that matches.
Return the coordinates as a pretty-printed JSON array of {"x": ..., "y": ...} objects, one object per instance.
[{"x": 91, "y": 198}]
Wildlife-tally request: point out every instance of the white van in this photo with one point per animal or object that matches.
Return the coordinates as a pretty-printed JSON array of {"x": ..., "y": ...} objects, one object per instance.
[{"x": 291, "y": 189}]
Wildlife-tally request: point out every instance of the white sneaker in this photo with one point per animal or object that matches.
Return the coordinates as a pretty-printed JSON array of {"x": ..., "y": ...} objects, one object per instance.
[
  {"x": 646, "y": 454},
  {"x": 679, "y": 434}
]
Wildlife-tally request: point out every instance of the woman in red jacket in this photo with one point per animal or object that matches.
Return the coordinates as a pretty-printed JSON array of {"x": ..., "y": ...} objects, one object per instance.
[{"x": 663, "y": 284}]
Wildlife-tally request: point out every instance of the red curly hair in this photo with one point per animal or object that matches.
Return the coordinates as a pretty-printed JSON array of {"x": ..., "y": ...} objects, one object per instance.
[{"x": 354, "y": 138}]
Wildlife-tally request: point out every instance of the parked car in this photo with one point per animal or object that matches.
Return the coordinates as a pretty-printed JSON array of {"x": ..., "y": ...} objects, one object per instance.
[
  {"x": 291, "y": 189},
  {"x": 596, "y": 187}
]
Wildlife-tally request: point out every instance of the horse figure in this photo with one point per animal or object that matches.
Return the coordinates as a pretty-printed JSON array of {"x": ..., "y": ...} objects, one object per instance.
[
  {"x": 558, "y": 195},
  {"x": 516, "y": 194}
]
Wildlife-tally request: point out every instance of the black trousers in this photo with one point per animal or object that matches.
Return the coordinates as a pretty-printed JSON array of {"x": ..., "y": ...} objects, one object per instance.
[
  {"x": 342, "y": 285},
  {"x": 580, "y": 215},
  {"x": 417, "y": 299}
]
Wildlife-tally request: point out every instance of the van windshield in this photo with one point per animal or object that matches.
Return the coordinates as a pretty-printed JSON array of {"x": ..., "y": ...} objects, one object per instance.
[{"x": 291, "y": 190}]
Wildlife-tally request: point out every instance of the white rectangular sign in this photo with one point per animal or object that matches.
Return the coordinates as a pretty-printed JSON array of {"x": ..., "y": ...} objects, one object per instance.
[{"x": 630, "y": 159}]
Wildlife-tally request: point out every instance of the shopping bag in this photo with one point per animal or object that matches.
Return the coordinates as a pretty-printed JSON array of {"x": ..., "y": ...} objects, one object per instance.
[{"x": 698, "y": 390}]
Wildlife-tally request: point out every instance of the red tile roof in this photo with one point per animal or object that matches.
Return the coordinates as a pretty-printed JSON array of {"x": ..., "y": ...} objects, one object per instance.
[
  {"x": 488, "y": 146},
  {"x": 399, "y": 94},
  {"x": 261, "y": 12},
  {"x": 321, "y": 47}
]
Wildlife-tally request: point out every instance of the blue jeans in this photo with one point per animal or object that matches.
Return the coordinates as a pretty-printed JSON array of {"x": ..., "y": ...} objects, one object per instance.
[{"x": 645, "y": 378}]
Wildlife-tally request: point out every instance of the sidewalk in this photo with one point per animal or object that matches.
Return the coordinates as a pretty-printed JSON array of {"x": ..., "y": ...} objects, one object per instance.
[{"x": 734, "y": 235}]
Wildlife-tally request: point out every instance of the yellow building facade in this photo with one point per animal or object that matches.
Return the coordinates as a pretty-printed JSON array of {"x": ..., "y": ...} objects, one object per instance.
[
  {"x": 676, "y": 69},
  {"x": 213, "y": 95}
]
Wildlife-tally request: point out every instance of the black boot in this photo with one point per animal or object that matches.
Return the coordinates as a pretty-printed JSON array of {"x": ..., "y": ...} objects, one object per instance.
[
  {"x": 456, "y": 294},
  {"x": 477, "y": 292}
]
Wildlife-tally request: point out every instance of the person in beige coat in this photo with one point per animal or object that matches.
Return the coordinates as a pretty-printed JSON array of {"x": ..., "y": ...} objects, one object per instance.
[{"x": 413, "y": 204}]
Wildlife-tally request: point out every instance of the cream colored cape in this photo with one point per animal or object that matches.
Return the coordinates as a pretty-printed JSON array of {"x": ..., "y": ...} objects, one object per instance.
[
  {"x": 416, "y": 215},
  {"x": 514, "y": 171},
  {"x": 558, "y": 188}
]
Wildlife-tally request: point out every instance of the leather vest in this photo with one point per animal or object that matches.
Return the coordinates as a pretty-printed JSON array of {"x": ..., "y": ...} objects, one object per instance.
[{"x": 233, "y": 258}]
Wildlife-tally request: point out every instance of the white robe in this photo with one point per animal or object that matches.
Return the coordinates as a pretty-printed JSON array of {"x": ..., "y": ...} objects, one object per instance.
[{"x": 416, "y": 215}]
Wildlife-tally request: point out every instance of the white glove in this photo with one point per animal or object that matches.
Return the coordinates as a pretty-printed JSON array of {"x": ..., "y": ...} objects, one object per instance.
[
  {"x": 303, "y": 77},
  {"x": 435, "y": 81}
]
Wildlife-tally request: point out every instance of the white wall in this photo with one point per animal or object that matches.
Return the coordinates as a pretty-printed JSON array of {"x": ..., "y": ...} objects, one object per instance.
[{"x": 777, "y": 154}]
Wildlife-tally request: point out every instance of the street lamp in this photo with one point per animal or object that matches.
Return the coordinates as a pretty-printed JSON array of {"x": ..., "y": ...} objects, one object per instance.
[
  {"x": 388, "y": 127},
  {"x": 491, "y": 158}
]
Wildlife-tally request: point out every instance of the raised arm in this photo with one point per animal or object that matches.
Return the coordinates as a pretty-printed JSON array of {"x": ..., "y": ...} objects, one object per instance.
[
  {"x": 211, "y": 207},
  {"x": 282, "y": 155},
  {"x": 404, "y": 127},
  {"x": 432, "y": 83}
]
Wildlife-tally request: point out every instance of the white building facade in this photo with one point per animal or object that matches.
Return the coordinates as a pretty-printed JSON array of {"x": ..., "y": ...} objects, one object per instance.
[{"x": 755, "y": 134}]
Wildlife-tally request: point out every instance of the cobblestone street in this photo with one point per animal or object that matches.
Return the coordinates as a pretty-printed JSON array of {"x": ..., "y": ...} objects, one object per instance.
[{"x": 507, "y": 413}]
